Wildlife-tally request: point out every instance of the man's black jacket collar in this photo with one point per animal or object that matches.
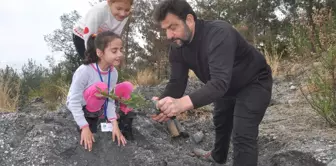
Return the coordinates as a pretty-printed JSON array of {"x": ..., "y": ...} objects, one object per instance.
[{"x": 199, "y": 25}]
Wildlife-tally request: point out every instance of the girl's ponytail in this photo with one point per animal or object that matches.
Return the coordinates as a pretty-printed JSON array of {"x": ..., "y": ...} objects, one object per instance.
[{"x": 90, "y": 53}]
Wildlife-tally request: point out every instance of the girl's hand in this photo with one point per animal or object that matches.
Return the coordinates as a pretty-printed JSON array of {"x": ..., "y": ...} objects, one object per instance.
[
  {"x": 117, "y": 133},
  {"x": 87, "y": 137}
]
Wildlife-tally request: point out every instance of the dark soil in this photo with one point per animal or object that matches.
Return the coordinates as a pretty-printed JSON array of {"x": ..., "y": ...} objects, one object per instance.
[{"x": 290, "y": 135}]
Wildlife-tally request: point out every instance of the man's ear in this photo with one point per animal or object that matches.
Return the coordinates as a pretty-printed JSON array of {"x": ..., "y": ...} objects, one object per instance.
[{"x": 190, "y": 20}]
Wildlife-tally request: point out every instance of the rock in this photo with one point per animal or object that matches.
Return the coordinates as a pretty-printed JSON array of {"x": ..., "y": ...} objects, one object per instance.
[
  {"x": 293, "y": 87},
  {"x": 197, "y": 137},
  {"x": 332, "y": 163},
  {"x": 294, "y": 158},
  {"x": 43, "y": 160}
]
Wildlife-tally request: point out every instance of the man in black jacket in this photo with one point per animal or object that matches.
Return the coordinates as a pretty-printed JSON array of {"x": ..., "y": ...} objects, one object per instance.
[{"x": 237, "y": 79}]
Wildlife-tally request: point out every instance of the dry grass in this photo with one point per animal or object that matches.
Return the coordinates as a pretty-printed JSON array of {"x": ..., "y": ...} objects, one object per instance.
[
  {"x": 274, "y": 60},
  {"x": 192, "y": 74},
  {"x": 54, "y": 93},
  {"x": 203, "y": 113},
  {"x": 309, "y": 88},
  {"x": 145, "y": 77},
  {"x": 320, "y": 89},
  {"x": 9, "y": 95}
]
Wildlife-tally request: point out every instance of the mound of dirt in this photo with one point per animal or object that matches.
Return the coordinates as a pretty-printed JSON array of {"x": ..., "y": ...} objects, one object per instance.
[{"x": 291, "y": 134}]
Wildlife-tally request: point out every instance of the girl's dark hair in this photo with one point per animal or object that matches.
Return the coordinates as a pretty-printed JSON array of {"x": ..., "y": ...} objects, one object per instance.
[{"x": 100, "y": 41}]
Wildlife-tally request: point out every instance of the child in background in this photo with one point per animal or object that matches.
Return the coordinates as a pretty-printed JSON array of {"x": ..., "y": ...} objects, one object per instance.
[
  {"x": 110, "y": 15},
  {"x": 86, "y": 105}
]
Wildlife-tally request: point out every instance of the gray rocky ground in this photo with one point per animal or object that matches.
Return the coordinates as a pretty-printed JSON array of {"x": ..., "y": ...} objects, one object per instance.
[{"x": 291, "y": 134}]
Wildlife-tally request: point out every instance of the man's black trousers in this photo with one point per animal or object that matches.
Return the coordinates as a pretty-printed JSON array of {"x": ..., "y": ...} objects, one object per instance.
[{"x": 239, "y": 117}]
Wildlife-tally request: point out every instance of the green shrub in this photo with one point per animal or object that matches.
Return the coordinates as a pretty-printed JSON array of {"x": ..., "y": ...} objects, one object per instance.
[
  {"x": 321, "y": 93},
  {"x": 54, "y": 93},
  {"x": 322, "y": 97}
]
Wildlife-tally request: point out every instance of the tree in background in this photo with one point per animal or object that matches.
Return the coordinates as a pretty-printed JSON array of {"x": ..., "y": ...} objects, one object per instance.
[
  {"x": 32, "y": 76},
  {"x": 60, "y": 40},
  {"x": 298, "y": 33}
]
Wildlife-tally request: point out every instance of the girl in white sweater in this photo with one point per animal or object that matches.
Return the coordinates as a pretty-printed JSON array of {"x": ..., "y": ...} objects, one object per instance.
[
  {"x": 103, "y": 53},
  {"x": 109, "y": 15}
]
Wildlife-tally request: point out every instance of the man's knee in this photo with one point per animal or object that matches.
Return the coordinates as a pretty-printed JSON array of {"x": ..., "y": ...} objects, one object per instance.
[
  {"x": 222, "y": 121},
  {"x": 223, "y": 112},
  {"x": 245, "y": 134},
  {"x": 244, "y": 139}
]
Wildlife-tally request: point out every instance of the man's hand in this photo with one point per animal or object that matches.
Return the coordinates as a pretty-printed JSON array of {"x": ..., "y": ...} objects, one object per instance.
[
  {"x": 171, "y": 107},
  {"x": 87, "y": 138},
  {"x": 159, "y": 117}
]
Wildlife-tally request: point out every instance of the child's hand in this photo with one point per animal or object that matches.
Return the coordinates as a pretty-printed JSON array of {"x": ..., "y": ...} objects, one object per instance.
[
  {"x": 87, "y": 138},
  {"x": 117, "y": 132}
]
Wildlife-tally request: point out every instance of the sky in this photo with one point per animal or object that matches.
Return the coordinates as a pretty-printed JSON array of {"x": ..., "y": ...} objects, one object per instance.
[{"x": 23, "y": 23}]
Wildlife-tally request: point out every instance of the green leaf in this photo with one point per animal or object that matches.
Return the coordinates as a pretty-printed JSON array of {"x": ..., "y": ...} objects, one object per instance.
[{"x": 136, "y": 101}]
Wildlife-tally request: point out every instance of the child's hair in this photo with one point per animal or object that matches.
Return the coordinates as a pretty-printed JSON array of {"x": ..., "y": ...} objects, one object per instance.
[
  {"x": 99, "y": 41},
  {"x": 130, "y": 1}
]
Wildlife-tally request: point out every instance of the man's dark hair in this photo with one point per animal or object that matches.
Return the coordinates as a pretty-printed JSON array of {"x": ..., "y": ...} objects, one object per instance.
[{"x": 180, "y": 8}]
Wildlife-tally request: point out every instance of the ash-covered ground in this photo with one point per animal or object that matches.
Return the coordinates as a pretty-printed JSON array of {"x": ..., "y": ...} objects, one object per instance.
[{"x": 291, "y": 134}]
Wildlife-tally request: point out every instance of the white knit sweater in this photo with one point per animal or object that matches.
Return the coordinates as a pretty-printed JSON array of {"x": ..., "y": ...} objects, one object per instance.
[{"x": 98, "y": 19}]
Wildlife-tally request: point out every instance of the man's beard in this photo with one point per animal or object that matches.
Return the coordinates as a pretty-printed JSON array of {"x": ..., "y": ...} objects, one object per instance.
[{"x": 184, "y": 41}]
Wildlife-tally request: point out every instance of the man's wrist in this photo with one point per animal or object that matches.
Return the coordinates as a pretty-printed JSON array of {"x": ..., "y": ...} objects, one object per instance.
[{"x": 186, "y": 103}]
